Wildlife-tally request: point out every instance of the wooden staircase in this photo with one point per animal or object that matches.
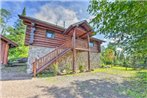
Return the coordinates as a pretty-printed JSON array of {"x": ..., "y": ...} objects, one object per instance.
[{"x": 42, "y": 63}]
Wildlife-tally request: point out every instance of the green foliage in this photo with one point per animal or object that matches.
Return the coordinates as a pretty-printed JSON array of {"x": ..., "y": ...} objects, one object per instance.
[
  {"x": 45, "y": 74},
  {"x": 68, "y": 68},
  {"x": 107, "y": 56},
  {"x": 55, "y": 69},
  {"x": 135, "y": 81},
  {"x": 4, "y": 15},
  {"x": 4, "y": 18},
  {"x": 17, "y": 34},
  {"x": 124, "y": 22},
  {"x": 24, "y": 12},
  {"x": 81, "y": 68},
  {"x": 137, "y": 85}
]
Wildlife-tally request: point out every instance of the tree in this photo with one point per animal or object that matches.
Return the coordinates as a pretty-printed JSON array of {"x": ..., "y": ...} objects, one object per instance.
[
  {"x": 18, "y": 35},
  {"x": 107, "y": 55},
  {"x": 123, "y": 21},
  {"x": 4, "y": 18},
  {"x": 24, "y": 12}
]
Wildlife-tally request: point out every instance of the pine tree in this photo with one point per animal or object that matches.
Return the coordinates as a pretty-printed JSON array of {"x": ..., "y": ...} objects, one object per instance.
[
  {"x": 24, "y": 12},
  {"x": 18, "y": 35}
]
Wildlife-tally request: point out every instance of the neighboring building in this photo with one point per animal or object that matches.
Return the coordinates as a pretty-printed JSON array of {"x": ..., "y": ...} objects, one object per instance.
[
  {"x": 5, "y": 44},
  {"x": 50, "y": 43}
]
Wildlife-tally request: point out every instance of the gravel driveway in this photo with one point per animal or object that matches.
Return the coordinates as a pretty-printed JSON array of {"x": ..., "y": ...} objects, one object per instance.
[{"x": 85, "y": 85}]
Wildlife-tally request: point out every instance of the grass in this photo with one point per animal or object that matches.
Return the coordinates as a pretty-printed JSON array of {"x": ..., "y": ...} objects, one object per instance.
[
  {"x": 136, "y": 86},
  {"x": 120, "y": 71},
  {"x": 135, "y": 83}
]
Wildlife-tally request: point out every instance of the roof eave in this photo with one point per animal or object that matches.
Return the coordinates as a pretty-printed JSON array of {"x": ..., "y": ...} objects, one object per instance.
[
  {"x": 43, "y": 22},
  {"x": 13, "y": 44}
]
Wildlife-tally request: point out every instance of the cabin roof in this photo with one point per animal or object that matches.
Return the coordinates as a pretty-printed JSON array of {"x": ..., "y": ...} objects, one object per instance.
[
  {"x": 95, "y": 39},
  {"x": 40, "y": 21},
  {"x": 11, "y": 43},
  {"x": 79, "y": 24}
]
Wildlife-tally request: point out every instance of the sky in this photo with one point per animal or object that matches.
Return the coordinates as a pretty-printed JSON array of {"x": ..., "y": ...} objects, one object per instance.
[{"x": 52, "y": 11}]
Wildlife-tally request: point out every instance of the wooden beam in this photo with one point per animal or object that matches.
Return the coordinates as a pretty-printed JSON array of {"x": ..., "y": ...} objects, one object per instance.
[
  {"x": 80, "y": 29},
  {"x": 85, "y": 33},
  {"x": 34, "y": 68},
  {"x": 6, "y": 53},
  {"x": 88, "y": 40},
  {"x": 74, "y": 51},
  {"x": 82, "y": 49},
  {"x": 82, "y": 35},
  {"x": 32, "y": 33}
]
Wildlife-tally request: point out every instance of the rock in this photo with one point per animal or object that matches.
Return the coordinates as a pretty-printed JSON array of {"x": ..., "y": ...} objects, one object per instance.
[{"x": 22, "y": 60}]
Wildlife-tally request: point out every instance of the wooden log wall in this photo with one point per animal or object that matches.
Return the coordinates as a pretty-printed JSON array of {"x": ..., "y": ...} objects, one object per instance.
[{"x": 40, "y": 38}]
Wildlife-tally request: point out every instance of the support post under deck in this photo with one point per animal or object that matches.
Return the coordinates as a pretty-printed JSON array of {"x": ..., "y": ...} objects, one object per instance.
[
  {"x": 74, "y": 51},
  {"x": 88, "y": 40}
]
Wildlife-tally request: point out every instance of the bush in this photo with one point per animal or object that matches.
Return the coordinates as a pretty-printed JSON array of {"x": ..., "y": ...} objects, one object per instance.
[
  {"x": 81, "y": 68},
  {"x": 67, "y": 68},
  {"x": 102, "y": 65},
  {"x": 55, "y": 69}
]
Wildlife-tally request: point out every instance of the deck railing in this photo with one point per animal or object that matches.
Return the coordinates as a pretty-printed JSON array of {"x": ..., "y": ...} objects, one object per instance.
[
  {"x": 94, "y": 49},
  {"x": 80, "y": 43}
]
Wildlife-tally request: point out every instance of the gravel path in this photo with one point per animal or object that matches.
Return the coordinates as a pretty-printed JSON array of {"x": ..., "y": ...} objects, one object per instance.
[{"x": 85, "y": 85}]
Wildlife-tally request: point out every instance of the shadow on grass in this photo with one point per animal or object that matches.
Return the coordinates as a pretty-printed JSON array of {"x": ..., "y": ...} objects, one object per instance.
[
  {"x": 133, "y": 87},
  {"x": 92, "y": 88},
  {"x": 136, "y": 86}
]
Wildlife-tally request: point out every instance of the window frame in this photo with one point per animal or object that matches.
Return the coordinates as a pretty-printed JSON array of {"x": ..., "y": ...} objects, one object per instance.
[
  {"x": 52, "y": 34},
  {"x": 91, "y": 44}
]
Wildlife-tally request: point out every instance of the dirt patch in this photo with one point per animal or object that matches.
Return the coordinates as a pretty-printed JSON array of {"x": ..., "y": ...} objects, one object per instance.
[{"x": 86, "y": 85}]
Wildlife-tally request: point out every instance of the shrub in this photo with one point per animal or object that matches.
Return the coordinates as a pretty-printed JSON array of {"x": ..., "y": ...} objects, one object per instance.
[
  {"x": 102, "y": 65},
  {"x": 67, "y": 68},
  {"x": 81, "y": 68},
  {"x": 55, "y": 69}
]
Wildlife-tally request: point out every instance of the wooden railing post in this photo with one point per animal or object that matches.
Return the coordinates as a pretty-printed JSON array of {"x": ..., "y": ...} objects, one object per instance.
[
  {"x": 56, "y": 55},
  {"x": 34, "y": 68}
]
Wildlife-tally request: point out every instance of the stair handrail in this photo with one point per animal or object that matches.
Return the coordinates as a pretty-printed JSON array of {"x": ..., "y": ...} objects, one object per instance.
[
  {"x": 35, "y": 63},
  {"x": 51, "y": 51}
]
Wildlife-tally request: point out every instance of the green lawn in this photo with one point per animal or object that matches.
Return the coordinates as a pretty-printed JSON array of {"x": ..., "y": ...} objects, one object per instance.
[
  {"x": 135, "y": 80},
  {"x": 120, "y": 71}
]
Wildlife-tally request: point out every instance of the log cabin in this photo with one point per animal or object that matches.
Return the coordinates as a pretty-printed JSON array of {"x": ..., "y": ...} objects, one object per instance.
[
  {"x": 5, "y": 44},
  {"x": 49, "y": 44}
]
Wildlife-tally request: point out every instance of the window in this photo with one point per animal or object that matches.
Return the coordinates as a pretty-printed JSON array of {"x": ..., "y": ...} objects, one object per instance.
[
  {"x": 91, "y": 44},
  {"x": 50, "y": 34}
]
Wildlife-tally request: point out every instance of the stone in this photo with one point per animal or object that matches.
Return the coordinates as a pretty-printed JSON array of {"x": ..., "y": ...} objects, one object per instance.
[{"x": 36, "y": 52}]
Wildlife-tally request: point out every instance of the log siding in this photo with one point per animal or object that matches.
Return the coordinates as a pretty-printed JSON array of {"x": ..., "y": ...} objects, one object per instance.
[{"x": 37, "y": 37}]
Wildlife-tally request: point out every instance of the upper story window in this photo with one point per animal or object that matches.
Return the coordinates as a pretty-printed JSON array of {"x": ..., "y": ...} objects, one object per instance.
[
  {"x": 50, "y": 34},
  {"x": 91, "y": 44}
]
